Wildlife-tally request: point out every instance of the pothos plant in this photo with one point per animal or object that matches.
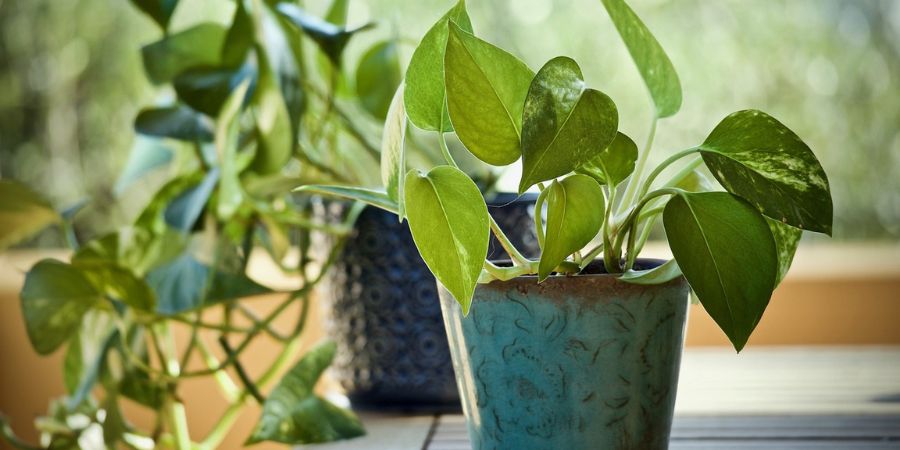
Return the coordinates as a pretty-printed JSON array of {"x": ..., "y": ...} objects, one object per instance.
[
  {"x": 734, "y": 247},
  {"x": 260, "y": 104}
]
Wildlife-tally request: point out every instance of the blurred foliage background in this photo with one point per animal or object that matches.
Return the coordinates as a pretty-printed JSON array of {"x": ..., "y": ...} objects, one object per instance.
[{"x": 71, "y": 83}]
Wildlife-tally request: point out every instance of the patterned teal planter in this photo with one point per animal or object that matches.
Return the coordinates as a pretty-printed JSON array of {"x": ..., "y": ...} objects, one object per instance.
[{"x": 574, "y": 363}]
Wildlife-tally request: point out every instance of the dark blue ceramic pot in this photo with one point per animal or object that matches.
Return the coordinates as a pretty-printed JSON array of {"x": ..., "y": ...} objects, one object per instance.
[
  {"x": 577, "y": 363},
  {"x": 385, "y": 314}
]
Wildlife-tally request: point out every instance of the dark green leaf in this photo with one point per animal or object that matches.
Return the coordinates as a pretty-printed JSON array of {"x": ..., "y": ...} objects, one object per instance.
[
  {"x": 660, "y": 274},
  {"x": 787, "y": 239},
  {"x": 615, "y": 163},
  {"x": 22, "y": 213},
  {"x": 273, "y": 123},
  {"x": 450, "y": 226},
  {"x": 159, "y": 10},
  {"x": 478, "y": 73},
  {"x": 184, "y": 210},
  {"x": 726, "y": 251},
  {"x": 331, "y": 38},
  {"x": 565, "y": 124},
  {"x": 200, "y": 45},
  {"x": 378, "y": 199},
  {"x": 758, "y": 158},
  {"x": 377, "y": 77},
  {"x": 135, "y": 249},
  {"x": 96, "y": 337},
  {"x": 177, "y": 122},
  {"x": 54, "y": 299},
  {"x": 424, "y": 94},
  {"x": 652, "y": 62},
  {"x": 393, "y": 155},
  {"x": 575, "y": 212},
  {"x": 152, "y": 217},
  {"x": 230, "y": 286},
  {"x": 293, "y": 414},
  {"x": 206, "y": 88},
  {"x": 179, "y": 285}
]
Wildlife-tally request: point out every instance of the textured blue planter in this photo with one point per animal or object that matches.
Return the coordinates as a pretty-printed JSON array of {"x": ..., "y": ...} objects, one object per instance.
[{"x": 574, "y": 363}]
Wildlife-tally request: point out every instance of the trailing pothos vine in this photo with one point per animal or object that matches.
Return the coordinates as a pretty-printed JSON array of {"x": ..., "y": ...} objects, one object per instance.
[
  {"x": 597, "y": 198},
  {"x": 255, "y": 111}
]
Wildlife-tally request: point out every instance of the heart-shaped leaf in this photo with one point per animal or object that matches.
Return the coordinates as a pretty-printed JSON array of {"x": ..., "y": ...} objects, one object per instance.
[
  {"x": 393, "y": 156},
  {"x": 486, "y": 89},
  {"x": 450, "y": 226},
  {"x": 22, "y": 213},
  {"x": 273, "y": 123},
  {"x": 652, "y": 62},
  {"x": 564, "y": 125},
  {"x": 755, "y": 156},
  {"x": 575, "y": 212},
  {"x": 787, "y": 239},
  {"x": 54, "y": 299},
  {"x": 424, "y": 94},
  {"x": 294, "y": 414},
  {"x": 615, "y": 163},
  {"x": 377, "y": 77},
  {"x": 200, "y": 45},
  {"x": 159, "y": 10},
  {"x": 725, "y": 250},
  {"x": 660, "y": 274}
]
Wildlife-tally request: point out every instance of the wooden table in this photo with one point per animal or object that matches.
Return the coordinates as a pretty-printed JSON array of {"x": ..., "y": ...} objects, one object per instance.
[{"x": 765, "y": 398}]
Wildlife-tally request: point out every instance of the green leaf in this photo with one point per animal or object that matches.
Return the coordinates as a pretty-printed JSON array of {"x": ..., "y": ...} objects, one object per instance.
[
  {"x": 159, "y": 10},
  {"x": 230, "y": 286},
  {"x": 200, "y": 45},
  {"x": 273, "y": 123},
  {"x": 726, "y": 251},
  {"x": 478, "y": 73},
  {"x": 239, "y": 39},
  {"x": 135, "y": 249},
  {"x": 755, "y": 156},
  {"x": 23, "y": 213},
  {"x": 614, "y": 164},
  {"x": 227, "y": 134},
  {"x": 377, "y": 77},
  {"x": 185, "y": 209},
  {"x": 660, "y": 274},
  {"x": 294, "y": 414},
  {"x": 450, "y": 226},
  {"x": 652, "y": 62},
  {"x": 378, "y": 199},
  {"x": 176, "y": 122},
  {"x": 696, "y": 181},
  {"x": 331, "y": 38},
  {"x": 393, "y": 155},
  {"x": 337, "y": 12},
  {"x": 92, "y": 342},
  {"x": 179, "y": 285},
  {"x": 424, "y": 94},
  {"x": 787, "y": 239},
  {"x": 565, "y": 124},
  {"x": 575, "y": 212},
  {"x": 121, "y": 284},
  {"x": 54, "y": 299},
  {"x": 206, "y": 88},
  {"x": 146, "y": 156}
]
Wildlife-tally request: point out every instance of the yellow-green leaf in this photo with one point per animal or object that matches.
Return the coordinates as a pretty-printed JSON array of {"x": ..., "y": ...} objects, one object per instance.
[
  {"x": 22, "y": 213},
  {"x": 575, "y": 212}
]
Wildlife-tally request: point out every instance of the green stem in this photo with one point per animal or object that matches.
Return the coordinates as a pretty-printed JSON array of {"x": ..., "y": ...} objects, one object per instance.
[
  {"x": 517, "y": 257},
  {"x": 591, "y": 255},
  {"x": 634, "y": 181},
  {"x": 445, "y": 150},
  {"x": 662, "y": 166}
]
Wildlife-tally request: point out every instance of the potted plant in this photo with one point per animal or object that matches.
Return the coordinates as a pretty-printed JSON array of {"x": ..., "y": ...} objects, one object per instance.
[
  {"x": 252, "y": 112},
  {"x": 580, "y": 347}
]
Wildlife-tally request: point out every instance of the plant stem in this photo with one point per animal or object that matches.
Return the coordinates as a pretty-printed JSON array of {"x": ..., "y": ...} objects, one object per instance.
[
  {"x": 662, "y": 166},
  {"x": 635, "y": 180},
  {"x": 445, "y": 151},
  {"x": 518, "y": 258}
]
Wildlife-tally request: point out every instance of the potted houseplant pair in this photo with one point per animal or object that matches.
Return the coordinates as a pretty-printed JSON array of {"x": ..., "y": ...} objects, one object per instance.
[
  {"x": 254, "y": 111},
  {"x": 580, "y": 347}
]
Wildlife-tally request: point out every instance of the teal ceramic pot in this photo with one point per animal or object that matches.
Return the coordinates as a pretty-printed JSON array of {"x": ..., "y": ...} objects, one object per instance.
[{"x": 577, "y": 363}]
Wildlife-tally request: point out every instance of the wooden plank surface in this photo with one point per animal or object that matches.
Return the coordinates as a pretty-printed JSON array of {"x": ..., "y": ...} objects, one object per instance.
[{"x": 766, "y": 398}]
